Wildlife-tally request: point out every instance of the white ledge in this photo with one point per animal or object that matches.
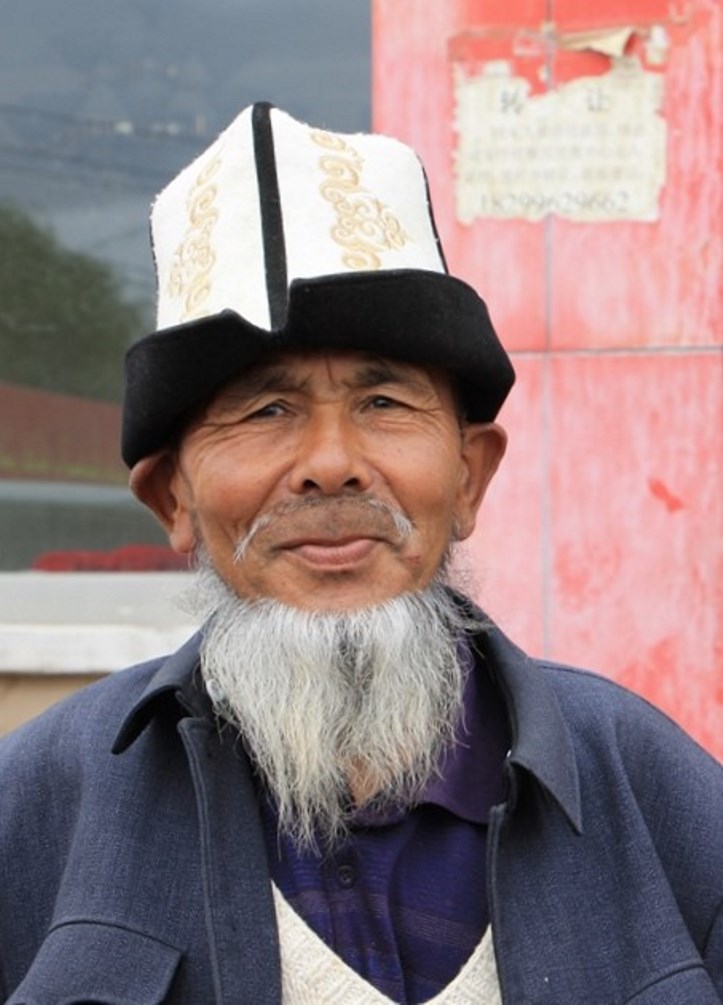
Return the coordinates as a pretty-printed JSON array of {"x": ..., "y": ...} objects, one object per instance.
[{"x": 86, "y": 622}]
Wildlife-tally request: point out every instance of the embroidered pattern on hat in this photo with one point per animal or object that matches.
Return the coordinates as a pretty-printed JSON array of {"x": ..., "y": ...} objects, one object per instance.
[
  {"x": 194, "y": 259},
  {"x": 365, "y": 228}
]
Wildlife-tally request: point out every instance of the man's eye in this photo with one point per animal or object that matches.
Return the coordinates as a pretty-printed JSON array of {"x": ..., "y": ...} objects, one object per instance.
[
  {"x": 271, "y": 411},
  {"x": 382, "y": 401}
]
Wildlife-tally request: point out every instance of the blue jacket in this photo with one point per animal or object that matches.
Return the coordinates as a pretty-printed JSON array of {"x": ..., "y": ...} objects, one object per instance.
[{"x": 133, "y": 867}]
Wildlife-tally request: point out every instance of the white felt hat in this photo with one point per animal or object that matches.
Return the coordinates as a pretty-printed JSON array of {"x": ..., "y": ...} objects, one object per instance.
[
  {"x": 273, "y": 200},
  {"x": 282, "y": 235}
]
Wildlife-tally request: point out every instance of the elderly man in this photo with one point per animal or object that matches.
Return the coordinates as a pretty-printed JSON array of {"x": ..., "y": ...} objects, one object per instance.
[{"x": 350, "y": 787}]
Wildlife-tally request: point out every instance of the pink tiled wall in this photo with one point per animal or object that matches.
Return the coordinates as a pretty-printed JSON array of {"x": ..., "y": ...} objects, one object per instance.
[{"x": 601, "y": 541}]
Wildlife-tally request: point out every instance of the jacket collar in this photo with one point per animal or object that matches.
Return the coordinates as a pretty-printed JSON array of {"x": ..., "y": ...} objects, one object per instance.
[
  {"x": 172, "y": 683},
  {"x": 541, "y": 741}
]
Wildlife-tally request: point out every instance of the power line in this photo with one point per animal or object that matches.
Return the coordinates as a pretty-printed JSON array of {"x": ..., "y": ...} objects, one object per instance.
[{"x": 122, "y": 127}]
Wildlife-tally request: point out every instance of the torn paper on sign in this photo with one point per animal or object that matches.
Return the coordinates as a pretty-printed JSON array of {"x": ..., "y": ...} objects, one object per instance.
[
  {"x": 592, "y": 150},
  {"x": 610, "y": 42}
]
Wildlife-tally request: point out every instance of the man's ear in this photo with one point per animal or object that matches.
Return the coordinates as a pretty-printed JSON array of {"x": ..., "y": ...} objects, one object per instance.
[
  {"x": 158, "y": 482},
  {"x": 483, "y": 447}
]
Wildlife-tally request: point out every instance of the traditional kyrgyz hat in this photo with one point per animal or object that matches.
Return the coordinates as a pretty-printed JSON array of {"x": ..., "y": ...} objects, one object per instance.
[{"x": 283, "y": 236}]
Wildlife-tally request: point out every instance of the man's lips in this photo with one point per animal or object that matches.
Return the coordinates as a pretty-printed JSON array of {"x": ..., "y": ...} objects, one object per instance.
[
  {"x": 331, "y": 553},
  {"x": 326, "y": 532}
]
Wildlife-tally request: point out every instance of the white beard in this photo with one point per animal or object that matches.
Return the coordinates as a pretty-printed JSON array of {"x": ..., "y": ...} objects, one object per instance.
[{"x": 374, "y": 693}]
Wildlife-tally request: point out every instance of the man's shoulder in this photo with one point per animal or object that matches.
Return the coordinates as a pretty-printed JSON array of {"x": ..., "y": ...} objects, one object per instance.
[
  {"x": 591, "y": 691},
  {"x": 619, "y": 733},
  {"x": 585, "y": 696},
  {"x": 594, "y": 697},
  {"x": 610, "y": 727}
]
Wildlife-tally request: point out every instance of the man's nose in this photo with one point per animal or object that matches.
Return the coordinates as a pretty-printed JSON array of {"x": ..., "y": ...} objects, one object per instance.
[{"x": 329, "y": 457}]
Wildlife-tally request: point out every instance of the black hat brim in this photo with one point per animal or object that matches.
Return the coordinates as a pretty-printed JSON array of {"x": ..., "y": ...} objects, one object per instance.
[{"x": 426, "y": 318}]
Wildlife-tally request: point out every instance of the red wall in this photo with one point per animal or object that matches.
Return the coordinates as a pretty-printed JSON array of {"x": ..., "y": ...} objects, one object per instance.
[{"x": 601, "y": 542}]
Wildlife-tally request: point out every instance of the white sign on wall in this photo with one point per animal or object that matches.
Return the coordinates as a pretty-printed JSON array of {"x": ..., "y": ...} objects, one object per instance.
[{"x": 592, "y": 150}]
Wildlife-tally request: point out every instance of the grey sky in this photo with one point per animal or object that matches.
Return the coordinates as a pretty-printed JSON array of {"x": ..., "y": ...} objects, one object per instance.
[{"x": 172, "y": 73}]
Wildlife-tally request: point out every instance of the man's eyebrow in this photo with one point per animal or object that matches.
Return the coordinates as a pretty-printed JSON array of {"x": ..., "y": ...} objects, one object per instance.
[
  {"x": 261, "y": 381},
  {"x": 379, "y": 372}
]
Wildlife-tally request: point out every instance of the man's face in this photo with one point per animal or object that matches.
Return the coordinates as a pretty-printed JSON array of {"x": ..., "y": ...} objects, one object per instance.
[{"x": 345, "y": 476}]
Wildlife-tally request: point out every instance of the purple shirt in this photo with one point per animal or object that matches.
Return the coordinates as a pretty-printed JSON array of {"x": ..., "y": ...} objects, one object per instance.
[{"x": 403, "y": 899}]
